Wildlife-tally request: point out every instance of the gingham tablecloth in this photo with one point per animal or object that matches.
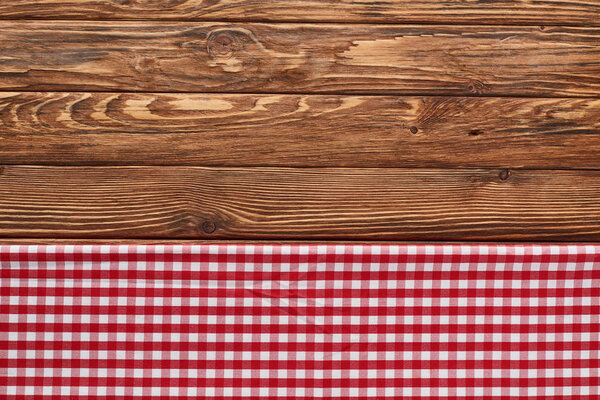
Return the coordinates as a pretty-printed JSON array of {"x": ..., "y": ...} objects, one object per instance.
[{"x": 300, "y": 322}]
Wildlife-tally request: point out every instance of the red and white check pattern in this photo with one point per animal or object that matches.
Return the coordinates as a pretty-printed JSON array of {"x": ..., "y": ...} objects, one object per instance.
[{"x": 300, "y": 322}]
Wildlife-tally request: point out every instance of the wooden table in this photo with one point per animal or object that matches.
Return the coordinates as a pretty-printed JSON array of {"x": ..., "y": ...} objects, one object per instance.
[{"x": 298, "y": 120}]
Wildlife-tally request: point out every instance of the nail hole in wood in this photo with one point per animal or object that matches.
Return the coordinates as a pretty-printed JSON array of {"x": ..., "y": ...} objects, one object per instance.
[{"x": 414, "y": 130}]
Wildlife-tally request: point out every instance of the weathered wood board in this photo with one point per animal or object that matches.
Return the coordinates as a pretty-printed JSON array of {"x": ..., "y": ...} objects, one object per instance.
[
  {"x": 288, "y": 203},
  {"x": 298, "y": 130},
  {"x": 300, "y": 58}
]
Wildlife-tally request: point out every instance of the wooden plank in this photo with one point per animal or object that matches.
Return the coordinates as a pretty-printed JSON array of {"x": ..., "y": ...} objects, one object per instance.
[
  {"x": 299, "y": 58},
  {"x": 298, "y": 130},
  {"x": 391, "y": 11},
  {"x": 316, "y": 204}
]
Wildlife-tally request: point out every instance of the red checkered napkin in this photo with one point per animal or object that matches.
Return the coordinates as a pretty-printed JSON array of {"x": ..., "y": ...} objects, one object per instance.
[{"x": 300, "y": 322}]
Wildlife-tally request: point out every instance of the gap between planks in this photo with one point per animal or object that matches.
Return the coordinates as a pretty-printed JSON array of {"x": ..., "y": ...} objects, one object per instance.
[
  {"x": 387, "y": 11},
  {"x": 308, "y": 93},
  {"x": 50, "y": 241},
  {"x": 307, "y": 22}
]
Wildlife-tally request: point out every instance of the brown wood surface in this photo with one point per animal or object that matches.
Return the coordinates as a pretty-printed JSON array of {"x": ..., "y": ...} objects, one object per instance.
[
  {"x": 419, "y": 11},
  {"x": 304, "y": 120},
  {"x": 298, "y": 130},
  {"x": 299, "y": 58},
  {"x": 287, "y": 203}
]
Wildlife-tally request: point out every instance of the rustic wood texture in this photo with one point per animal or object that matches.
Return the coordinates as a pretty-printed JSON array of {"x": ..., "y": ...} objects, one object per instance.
[
  {"x": 304, "y": 120},
  {"x": 287, "y": 203},
  {"x": 298, "y": 130},
  {"x": 415, "y": 11},
  {"x": 299, "y": 58}
]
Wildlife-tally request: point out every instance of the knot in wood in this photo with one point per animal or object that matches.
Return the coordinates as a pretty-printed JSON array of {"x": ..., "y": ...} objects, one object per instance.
[
  {"x": 209, "y": 226},
  {"x": 504, "y": 174},
  {"x": 477, "y": 87},
  {"x": 223, "y": 43}
]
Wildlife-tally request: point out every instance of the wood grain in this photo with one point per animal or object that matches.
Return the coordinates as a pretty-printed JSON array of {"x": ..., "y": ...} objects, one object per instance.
[
  {"x": 280, "y": 203},
  {"x": 299, "y": 58},
  {"x": 297, "y": 130},
  {"x": 413, "y": 11}
]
